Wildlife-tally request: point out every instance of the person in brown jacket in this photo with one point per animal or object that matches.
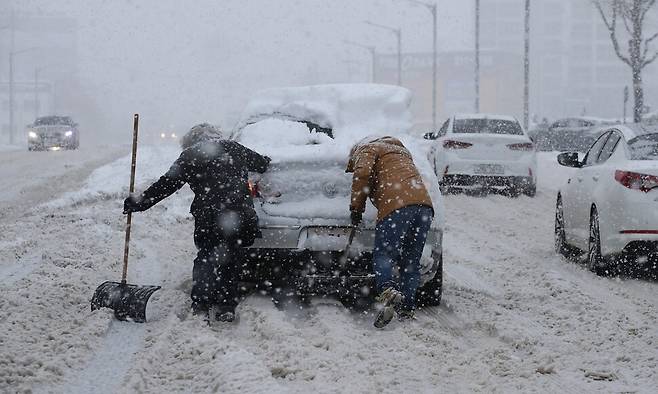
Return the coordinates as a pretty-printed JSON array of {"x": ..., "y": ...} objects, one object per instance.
[{"x": 385, "y": 172}]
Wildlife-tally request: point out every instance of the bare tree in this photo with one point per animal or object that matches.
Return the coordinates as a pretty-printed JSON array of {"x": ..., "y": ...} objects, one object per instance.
[{"x": 637, "y": 55}]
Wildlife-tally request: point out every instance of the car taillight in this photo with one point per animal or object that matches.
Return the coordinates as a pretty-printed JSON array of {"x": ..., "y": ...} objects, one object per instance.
[
  {"x": 452, "y": 144},
  {"x": 521, "y": 146},
  {"x": 253, "y": 189},
  {"x": 636, "y": 181}
]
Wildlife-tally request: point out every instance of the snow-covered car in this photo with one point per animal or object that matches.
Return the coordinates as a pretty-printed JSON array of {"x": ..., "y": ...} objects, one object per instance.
[
  {"x": 303, "y": 199},
  {"x": 484, "y": 151},
  {"x": 569, "y": 134},
  {"x": 608, "y": 206},
  {"x": 53, "y": 133}
]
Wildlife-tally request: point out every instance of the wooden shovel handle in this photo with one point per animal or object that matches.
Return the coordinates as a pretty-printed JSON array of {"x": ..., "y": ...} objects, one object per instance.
[{"x": 129, "y": 218}]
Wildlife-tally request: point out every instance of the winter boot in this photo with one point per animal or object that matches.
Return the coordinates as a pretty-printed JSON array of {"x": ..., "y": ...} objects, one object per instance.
[
  {"x": 389, "y": 301},
  {"x": 199, "y": 309}
]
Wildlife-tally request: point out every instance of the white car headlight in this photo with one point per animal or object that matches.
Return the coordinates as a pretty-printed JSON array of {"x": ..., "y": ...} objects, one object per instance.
[
  {"x": 68, "y": 133},
  {"x": 32, "y": 134}
]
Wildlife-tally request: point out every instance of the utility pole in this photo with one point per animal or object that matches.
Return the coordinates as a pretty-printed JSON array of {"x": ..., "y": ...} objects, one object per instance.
[
  {"x": 11, "y": 77},
  {"x": 432, "y": 9},
  {"x": 477, "y": 56},
  {"x": 526, "y": 67}
]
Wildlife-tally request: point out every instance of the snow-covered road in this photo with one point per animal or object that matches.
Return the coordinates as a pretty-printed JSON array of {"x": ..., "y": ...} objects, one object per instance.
[{"x": 515, "y": 317}]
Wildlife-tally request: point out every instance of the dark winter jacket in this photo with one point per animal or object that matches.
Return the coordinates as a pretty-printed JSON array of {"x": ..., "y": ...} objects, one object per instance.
[{"x": 216, "y": 171}]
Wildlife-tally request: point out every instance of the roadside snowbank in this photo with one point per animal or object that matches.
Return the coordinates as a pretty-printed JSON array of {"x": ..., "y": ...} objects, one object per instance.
[{"x": 111, "y": 181}]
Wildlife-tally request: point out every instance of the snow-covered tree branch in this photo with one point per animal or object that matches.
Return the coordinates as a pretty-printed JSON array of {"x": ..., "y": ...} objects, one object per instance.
[{"x": 638, "y": 53}]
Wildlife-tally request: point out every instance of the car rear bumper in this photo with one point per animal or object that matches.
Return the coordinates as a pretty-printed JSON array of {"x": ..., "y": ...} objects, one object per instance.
[
  {"x": 459, "y": 180},
  {"x": 517, "y": 168},
  {"x": 315, "y": 253},
  {"x": 41, "y": 144}
]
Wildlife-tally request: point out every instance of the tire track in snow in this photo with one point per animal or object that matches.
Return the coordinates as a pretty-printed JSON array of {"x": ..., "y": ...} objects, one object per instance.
[
  {"x": 517, "y": 238},
  {"x": 108, "y": 369}
]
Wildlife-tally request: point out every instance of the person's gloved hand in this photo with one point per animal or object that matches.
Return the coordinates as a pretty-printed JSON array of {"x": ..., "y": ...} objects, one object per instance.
[
  {"x": 131, "y": 204},
  {"x": 356, "y": 218}
]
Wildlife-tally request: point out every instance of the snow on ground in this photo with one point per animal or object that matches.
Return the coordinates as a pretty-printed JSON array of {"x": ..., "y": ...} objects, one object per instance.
[{"x": 515, "y": 317}]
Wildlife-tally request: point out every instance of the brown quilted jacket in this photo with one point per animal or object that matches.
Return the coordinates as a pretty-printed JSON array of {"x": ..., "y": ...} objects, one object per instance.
[{"x": 384, "y": 171}]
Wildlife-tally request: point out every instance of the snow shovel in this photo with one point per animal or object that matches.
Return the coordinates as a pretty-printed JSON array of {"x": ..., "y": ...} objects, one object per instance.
[
  {"x": 128, "y": 301},
  {"x": 346, "y": 253}
]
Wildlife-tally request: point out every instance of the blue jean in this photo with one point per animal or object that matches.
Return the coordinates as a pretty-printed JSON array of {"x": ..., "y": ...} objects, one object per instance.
[{"x": 399, "y": 240}]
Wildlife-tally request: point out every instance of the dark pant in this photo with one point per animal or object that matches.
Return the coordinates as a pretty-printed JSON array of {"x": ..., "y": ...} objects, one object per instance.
[
  {"x": 215, "y": 272},
  {"x": 399, "y": 241}
]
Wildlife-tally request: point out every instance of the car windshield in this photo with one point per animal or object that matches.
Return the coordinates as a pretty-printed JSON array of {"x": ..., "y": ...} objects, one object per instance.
[
  {"x": 53, "y": 120},
  {"x": 487, "y": 126},
  {"x": 644, "y": 147}
]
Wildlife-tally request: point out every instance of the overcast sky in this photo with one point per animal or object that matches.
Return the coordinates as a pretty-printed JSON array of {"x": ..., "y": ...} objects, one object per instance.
[{"x": 181, "y": 62}]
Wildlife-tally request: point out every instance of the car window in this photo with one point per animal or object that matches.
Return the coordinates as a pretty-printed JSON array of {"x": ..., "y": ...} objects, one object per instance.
[
  {"x": 609, "y": 147},
  {"x": 644, "y": 147},
  {"x": 487, "y": 126},
  {"x": 595, "y": 150},
  {"x": 319, "y": 129},
  {"x": 444, "y": 129}
]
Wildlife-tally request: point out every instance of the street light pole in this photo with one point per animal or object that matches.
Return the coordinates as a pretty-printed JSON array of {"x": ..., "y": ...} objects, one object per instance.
[
  {"x": 37, "y": 70},
  {"x": 373, "y": 54},
  {"x": 398, "y": 34},
  {"x": 11, "y": 92},
  {"x": 11, "y": 98},
  {"x": 477, "y": 56},
  {"x": 526, "y": 68},
  {"x": 432, "y": 8}
]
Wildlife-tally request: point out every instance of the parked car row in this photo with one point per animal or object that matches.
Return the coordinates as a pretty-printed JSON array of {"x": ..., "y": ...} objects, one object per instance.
[{"x": 606, "y": 210}]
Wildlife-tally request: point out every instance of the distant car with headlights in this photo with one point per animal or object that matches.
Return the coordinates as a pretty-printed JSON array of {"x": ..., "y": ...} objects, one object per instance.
[
  {"x": 607, "y": 208},
  {"x": 53, "y": 133},
  {"x": 485, "y": 152}
]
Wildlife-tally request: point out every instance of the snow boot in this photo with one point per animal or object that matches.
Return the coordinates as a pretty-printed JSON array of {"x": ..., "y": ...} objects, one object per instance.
[
  {"x": 201, "y": 311},
  {"x": 390, "y": 300},
  {"x": 225, "y": 315}
]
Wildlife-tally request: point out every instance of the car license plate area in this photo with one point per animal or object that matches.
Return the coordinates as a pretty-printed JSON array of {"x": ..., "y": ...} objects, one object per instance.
[
  {"x": 324, "y": 238},
  {"x": 489, "y": 169}
]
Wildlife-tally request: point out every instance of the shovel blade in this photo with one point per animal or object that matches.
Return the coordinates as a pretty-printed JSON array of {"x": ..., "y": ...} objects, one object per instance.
[{"x": 128, "y": 301}]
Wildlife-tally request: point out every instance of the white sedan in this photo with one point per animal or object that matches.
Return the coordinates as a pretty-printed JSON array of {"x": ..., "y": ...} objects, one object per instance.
[
  {"x": 608, "y": 206},
  {"x": 484, "y": 151}
]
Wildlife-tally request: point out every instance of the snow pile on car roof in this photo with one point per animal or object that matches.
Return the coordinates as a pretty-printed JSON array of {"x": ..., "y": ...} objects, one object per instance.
[{"x": 352, "y": 111}]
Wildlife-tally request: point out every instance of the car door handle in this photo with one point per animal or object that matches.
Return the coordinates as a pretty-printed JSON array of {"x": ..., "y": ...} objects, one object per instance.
[{"x": 596, "y": 178}]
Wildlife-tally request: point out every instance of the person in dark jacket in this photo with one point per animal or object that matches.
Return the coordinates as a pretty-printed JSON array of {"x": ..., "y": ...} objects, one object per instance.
[{"x": 225, "y": 220}]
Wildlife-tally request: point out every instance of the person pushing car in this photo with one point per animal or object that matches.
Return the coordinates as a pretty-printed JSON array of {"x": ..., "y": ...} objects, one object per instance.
[
  {"x": 384, "y": 171},
  {"x": 224, "y": 217}
]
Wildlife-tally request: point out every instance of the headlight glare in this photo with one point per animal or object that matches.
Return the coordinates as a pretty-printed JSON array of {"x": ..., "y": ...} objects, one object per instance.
[
  {"x": 32, "y": 134},
  {"x": 68, "y": 133}
]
